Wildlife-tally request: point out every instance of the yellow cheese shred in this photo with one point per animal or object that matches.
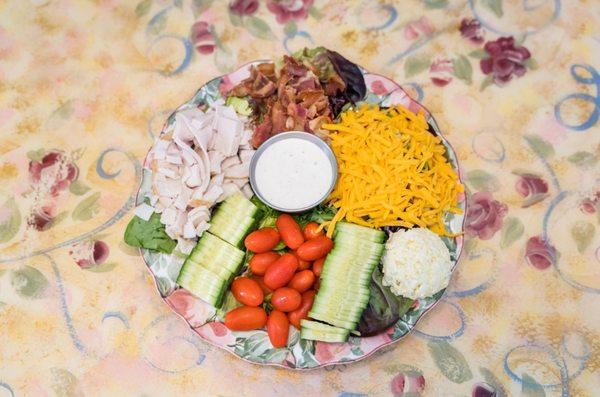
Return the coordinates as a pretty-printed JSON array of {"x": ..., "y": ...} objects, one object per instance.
[{"x": 392, "y": 171}]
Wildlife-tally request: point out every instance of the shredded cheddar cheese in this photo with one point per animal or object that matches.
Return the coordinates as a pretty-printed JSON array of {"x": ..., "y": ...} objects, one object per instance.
[{"x": 392, "y": 171}]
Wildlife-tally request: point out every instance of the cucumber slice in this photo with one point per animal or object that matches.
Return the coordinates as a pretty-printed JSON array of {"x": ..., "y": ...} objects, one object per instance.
[
  {"x": 342, "y": 295},
  {"x": 351, "y": 314},
  {"x": 322, "y": 327},
  {"x": 352, "y": 260},
  {"x": 372, "y": 252},
  {"x": 342, "y": 299},
  {"x": 360, "y": 232},
  {"x": 344, "y": 265},
  {"x": 351, "y": 243},
  {"x": 344, "y": 292},
  {"x": 211, "y": 251},
  {"x": 341, "y": 322},
  {"x": 349, "y": 325},
  {"x": 348, "y": 312},
  {"x": 185, "y": 274},
  {"x": 355, "y": 284},
  {"x": 349, "y": 279},
  {"x": 232, "y": 229},
  {"x": 214, "y": 300},
  {"x": 203, "y": 283},
  {"x": 354, "y": 287},
  {"x": 217, "y": 269},
  {"x": 211, "y": 265},
  {"x": 345, "y": 275},
  {"x": 198, "y": 275},
  {"x": 233, "y": 219},
  {"x": 239, "y": 208},
  {"x": 323, "y": 336},
  {"x": 237, "y": 202},
  {"x": 226, "y": 222}
]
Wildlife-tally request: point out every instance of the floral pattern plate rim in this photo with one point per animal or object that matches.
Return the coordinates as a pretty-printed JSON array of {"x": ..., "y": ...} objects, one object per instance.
[{"x": 254, "y": 346}]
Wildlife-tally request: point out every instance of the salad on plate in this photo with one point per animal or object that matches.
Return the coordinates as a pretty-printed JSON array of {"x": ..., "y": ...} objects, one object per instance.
[{"x": 286, "y": 208}]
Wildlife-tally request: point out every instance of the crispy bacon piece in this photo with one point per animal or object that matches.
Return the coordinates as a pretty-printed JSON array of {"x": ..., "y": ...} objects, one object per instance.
[
  {"x": 241, "y": 90},
  {"x": 294, "y": 99},
  {"x": 314, "y": 125},
  {"x": 260, "y": 84},
  {"x": 293, "y": 67},
  {"x": 262, "y": 132},
  {"x": 308, "y": 98},
  {"x": 267, "y": 69},
  {"x": 278, "y": 118},
  {"x": 309, "y": 83},
  {"x": 297, "y": 117},
  {"x": 262, "y": 87}
]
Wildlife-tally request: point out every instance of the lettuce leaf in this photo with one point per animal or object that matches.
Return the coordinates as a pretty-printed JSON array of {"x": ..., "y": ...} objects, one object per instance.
[
  {"x": 240, "y": 105},
  {"x": 319, "y": 59},
  {"x": 356, "y": 88},
  {"x": 384, "y": 308},
  {"x": 149, "y": 234},
  {"x": 321, "y": 213},
  {"x": 267, "y": 215}
]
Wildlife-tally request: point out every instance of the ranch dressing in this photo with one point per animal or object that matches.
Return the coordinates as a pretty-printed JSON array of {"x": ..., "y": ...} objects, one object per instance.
[{"x": 293, "y": 174}]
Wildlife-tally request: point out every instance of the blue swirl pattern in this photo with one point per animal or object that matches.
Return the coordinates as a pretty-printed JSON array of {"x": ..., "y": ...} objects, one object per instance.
[
  {"x": 392, "y": 16},
  {"x": 593, "y": 80},
  {"x": 556, "y": 359},
  {"x": 455, "y": 334}
]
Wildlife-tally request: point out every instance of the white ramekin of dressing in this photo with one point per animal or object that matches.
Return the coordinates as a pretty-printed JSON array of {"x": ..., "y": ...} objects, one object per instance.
[{"x": 293, "y": 171}]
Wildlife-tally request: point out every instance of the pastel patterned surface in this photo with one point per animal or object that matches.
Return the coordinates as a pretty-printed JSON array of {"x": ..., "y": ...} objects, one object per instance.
[{"x": 86, "y": 85}]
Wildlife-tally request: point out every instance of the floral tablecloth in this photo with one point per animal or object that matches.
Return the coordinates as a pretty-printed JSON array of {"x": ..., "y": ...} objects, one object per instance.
[{"x": 86, "y": 85}]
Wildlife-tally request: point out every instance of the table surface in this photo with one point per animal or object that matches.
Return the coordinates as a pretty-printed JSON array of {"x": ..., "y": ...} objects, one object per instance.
[{"x": 85, "y": 86}]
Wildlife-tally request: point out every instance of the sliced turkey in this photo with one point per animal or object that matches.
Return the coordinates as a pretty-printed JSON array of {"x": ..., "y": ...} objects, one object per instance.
[{"x": 201, "y": 159}]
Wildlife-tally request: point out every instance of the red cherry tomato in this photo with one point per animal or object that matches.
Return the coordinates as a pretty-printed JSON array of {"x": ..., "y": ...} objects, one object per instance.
[
  {"x": 302, "y": 281},
  {"x": 311, "y": 231},
  {"x": 302, "y": 312},
  {"x": 261, "y": 282},
  {"x": 281, "y": 272},
  {"x": 302, "y": 264},
  {"x": 260, "y": 262},
  {"x": 247, "y": 291},
  {"x": 317, "y": 267},
  {"x": 286, "y": 299},
  {"x": 316, "y": 248},
  {"x": 290, "y": 231},
  {"x": 262, "y": 240},
  {"x": 278, "y": 327},
  {"x": 246, "y": 318}
]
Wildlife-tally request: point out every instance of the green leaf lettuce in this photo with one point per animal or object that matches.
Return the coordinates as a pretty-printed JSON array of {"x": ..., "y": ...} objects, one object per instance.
[{"x": 149, "y": 234}]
